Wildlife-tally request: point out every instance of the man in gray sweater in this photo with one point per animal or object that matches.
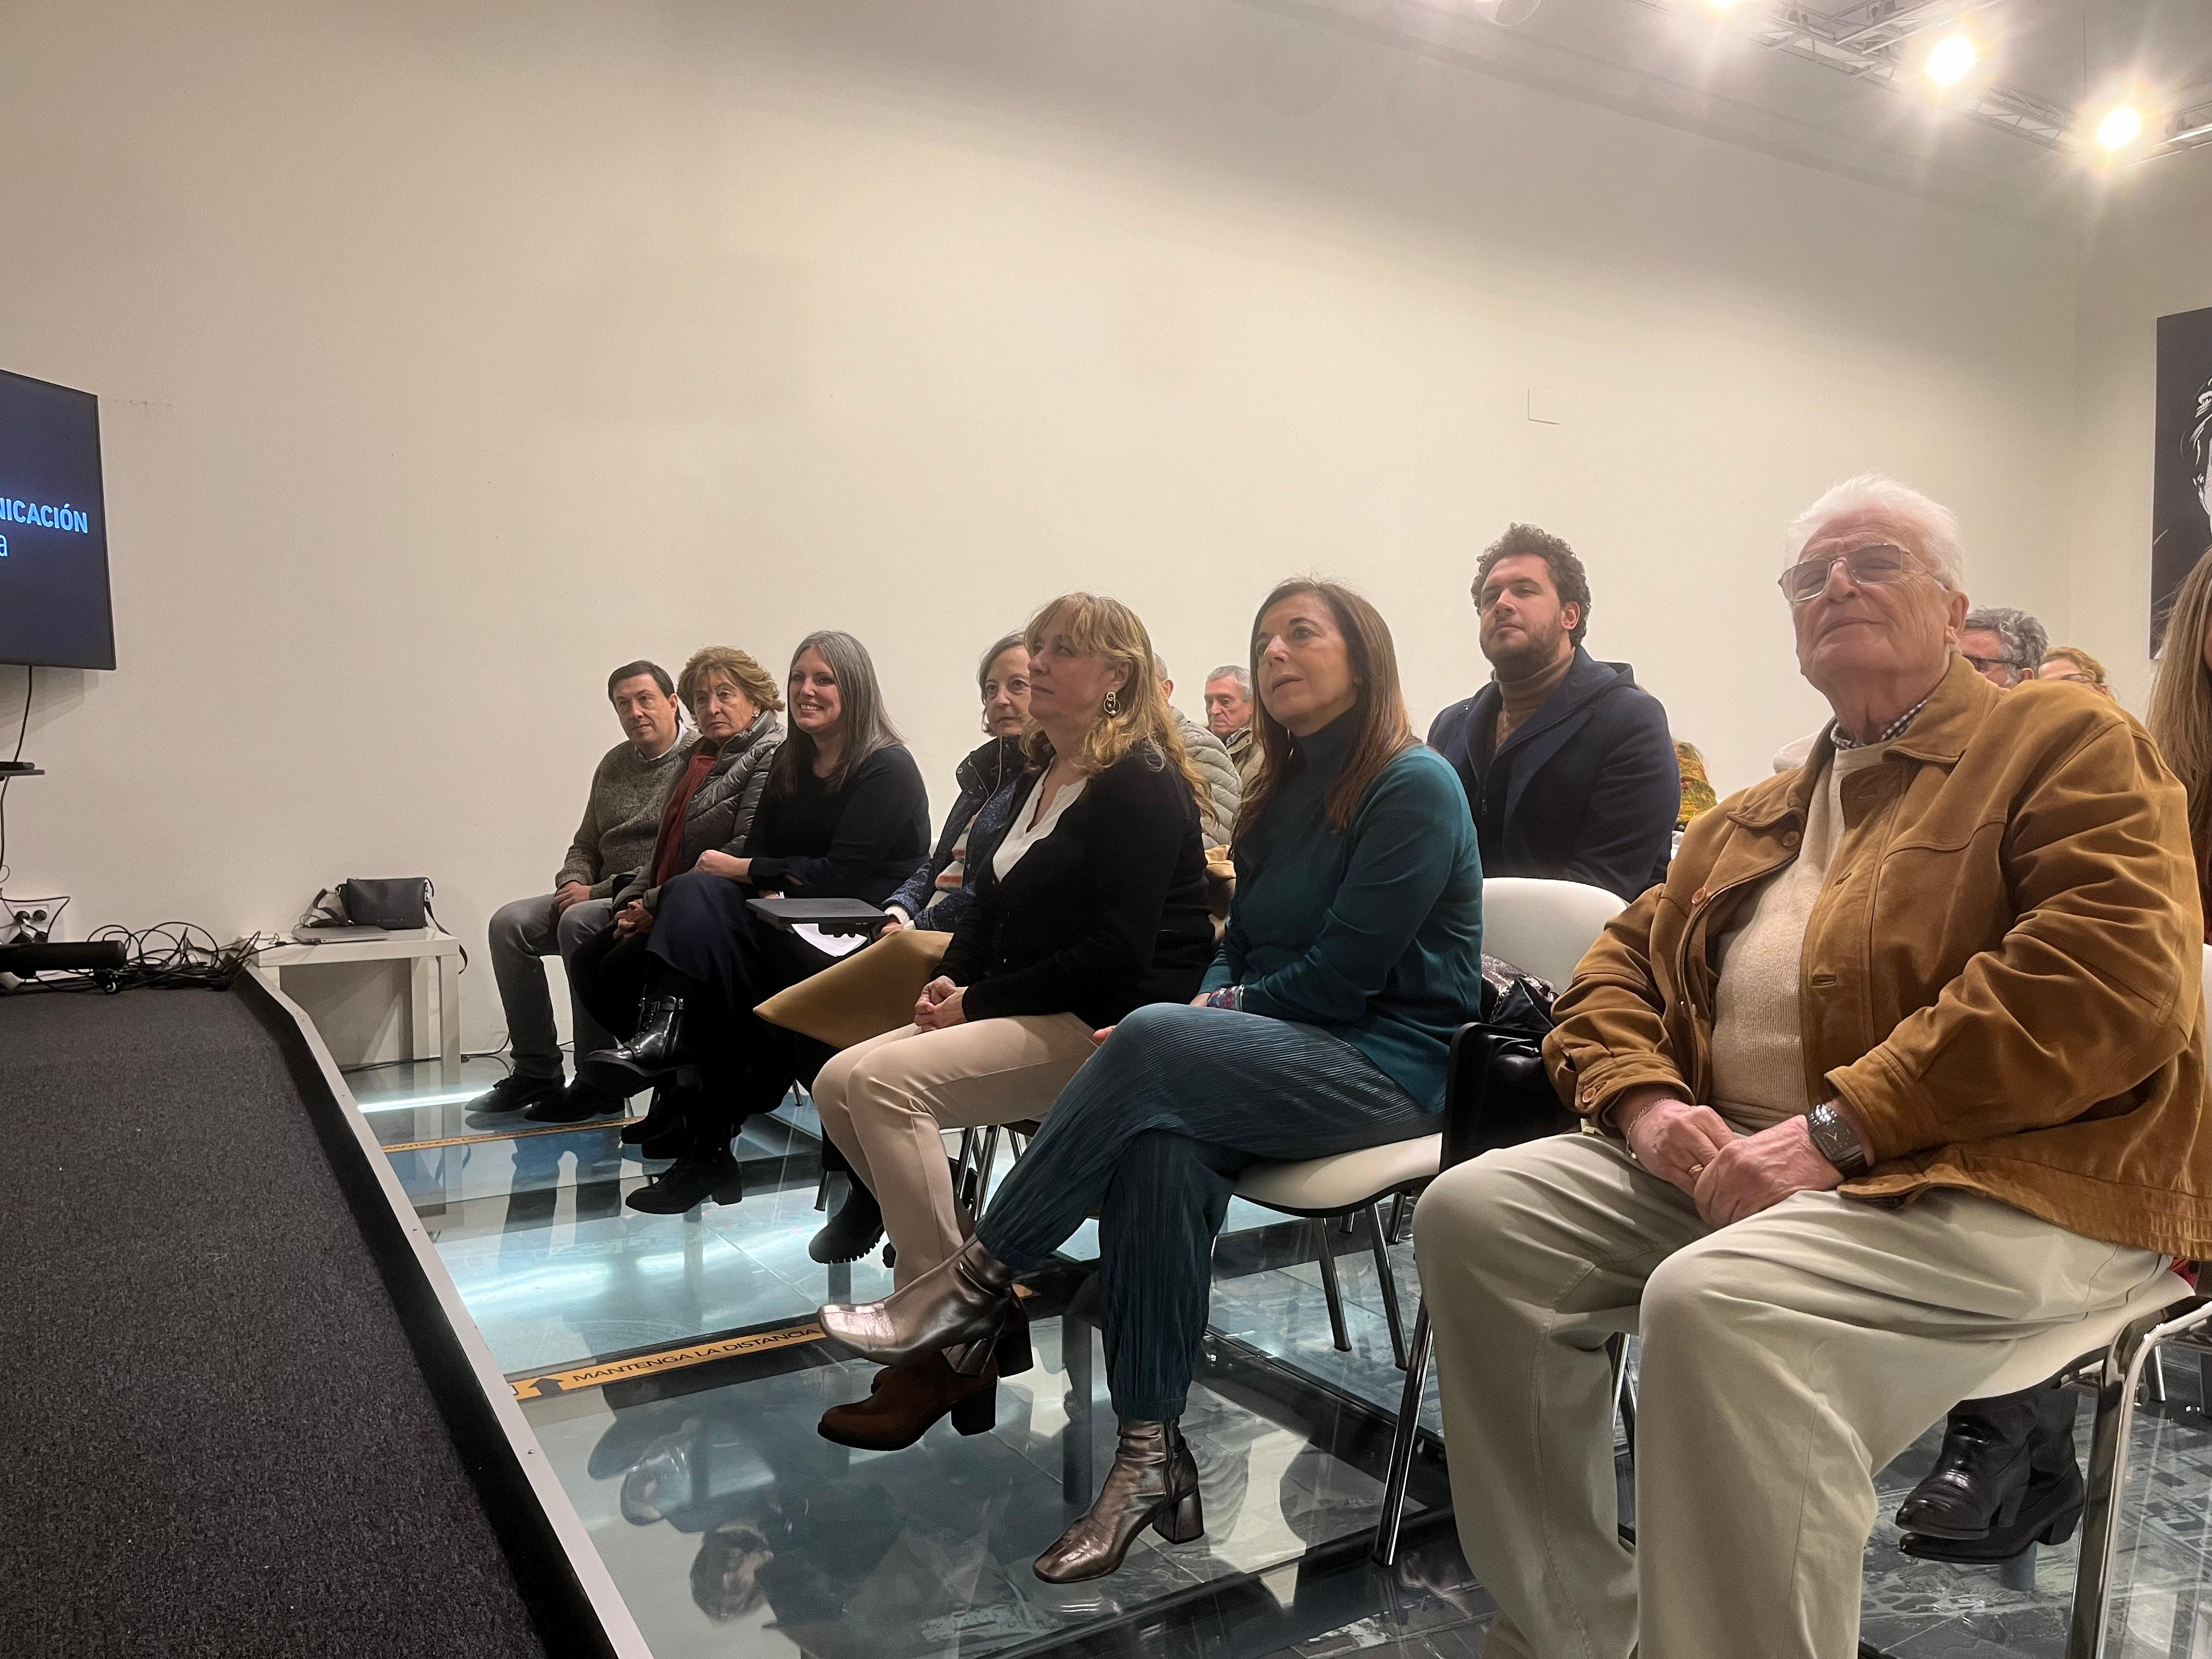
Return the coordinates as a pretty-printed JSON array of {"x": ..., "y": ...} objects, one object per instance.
[{"x": 622, "y": 820}]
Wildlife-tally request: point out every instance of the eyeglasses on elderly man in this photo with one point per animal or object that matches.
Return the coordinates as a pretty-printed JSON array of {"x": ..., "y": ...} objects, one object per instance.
[
  {"x": 1884, "y": 1105},
  {"x": 1873, "y": 564}
]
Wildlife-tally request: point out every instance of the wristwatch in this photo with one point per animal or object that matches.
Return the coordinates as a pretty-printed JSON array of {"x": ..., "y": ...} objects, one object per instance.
[{"x": 1836, "y": 1140}]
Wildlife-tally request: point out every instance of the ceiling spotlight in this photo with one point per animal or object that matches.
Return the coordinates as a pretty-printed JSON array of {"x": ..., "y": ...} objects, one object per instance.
[
  {"x": 1952, "y": 58},
  {"x": 2121, "y": 125}
]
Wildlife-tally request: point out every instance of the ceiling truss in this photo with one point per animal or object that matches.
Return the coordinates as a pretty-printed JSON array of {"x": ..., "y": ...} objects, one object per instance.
[{"x": 1874, "y": 39}]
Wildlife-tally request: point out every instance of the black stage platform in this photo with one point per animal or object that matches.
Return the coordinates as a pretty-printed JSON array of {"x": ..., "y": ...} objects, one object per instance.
[{"x": 216, "y": 1435}]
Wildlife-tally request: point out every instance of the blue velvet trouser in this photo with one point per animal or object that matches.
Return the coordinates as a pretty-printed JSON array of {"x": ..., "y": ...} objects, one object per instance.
[{"x": 1152, "y": 1136}]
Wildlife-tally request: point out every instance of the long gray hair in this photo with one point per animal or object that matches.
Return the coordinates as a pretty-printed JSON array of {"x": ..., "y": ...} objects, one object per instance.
[{"x": 867, "y": 727}]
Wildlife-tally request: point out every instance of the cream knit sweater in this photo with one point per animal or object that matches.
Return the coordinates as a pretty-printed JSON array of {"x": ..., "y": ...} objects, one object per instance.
[{"x": 1758, "y": 1050}]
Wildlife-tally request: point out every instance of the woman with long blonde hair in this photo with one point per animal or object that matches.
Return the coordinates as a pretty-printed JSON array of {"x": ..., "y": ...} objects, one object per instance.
[
  {"x": 1090, "y": 903},
  {"x": 1353, "y": 953},
  {"x": 2181, "y": 712}
]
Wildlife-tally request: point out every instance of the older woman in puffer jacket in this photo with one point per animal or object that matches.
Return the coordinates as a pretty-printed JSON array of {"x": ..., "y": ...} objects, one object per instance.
[{"x": 709, "y": 813}]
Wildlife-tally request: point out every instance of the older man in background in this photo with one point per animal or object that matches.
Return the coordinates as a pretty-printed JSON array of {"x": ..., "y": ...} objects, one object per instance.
[
  {"x": 2005, "y": 643},
  {"x": 1224, "y": 783},
  {"x": 1901, "y": 1068},
  {"x": 622, "y": 818},
  {"x": 1229, "y": 715}
]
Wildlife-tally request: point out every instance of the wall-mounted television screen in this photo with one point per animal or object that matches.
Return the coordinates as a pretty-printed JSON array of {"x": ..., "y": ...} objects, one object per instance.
[{"x": 54, "y": 610}]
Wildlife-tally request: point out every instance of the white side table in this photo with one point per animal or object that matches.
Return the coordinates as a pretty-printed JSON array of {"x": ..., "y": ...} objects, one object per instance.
[{"x": 426, "y": 951}]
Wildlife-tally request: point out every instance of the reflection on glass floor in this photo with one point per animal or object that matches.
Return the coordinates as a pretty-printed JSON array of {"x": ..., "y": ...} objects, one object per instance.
[{"x": 733, "y": 1528}]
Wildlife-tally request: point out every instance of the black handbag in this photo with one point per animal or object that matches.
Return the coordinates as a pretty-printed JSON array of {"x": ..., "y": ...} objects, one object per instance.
[
  {"x": 1497, "y": 1092},
  {"x": 387, "y": 901}
]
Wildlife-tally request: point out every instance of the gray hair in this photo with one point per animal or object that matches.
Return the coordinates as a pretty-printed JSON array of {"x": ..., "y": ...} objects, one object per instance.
[
  {"x": 1235, "y": 672},
  {"x": 1160, "y": 667},
  {"x": 2025, "y": 642},
  {"x": 1933, "y": 526}
]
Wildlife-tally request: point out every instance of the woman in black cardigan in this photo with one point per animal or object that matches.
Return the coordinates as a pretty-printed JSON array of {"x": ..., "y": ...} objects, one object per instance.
[
  {"x": 844, "y": 816},
  {"x": 1092, "y": 902}
]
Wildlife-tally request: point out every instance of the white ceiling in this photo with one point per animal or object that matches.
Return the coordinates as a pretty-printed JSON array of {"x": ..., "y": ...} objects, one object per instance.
[{"x": 1681, "y": 62}]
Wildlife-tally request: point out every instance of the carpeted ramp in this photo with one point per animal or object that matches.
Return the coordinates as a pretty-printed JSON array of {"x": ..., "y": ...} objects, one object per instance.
[{"x": 215, "y": 1437}]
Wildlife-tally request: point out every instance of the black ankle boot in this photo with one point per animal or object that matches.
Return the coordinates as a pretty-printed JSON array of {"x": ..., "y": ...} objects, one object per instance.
[
  {"x": 2050, "y": 1508},
  {"x": 691, "y": 1181},
  {"x": 853, "y": 1231},
  {"x": 663, "y": 1116},
  {"x": 1992, "y": 1448},
  {"x": 646, "y": 1058}
]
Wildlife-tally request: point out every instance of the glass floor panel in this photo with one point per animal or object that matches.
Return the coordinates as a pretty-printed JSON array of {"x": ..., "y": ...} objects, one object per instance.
[{"x": 733, "y": 1528}]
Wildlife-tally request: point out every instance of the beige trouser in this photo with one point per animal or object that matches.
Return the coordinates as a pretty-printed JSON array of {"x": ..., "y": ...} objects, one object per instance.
[
  {"x": 884, "y": 1101},
  {"x": 1784, "y": 1359}
]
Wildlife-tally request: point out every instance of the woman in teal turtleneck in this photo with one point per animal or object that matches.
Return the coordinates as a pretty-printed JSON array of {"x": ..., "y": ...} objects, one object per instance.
[{"x": 1353, "y": 952}]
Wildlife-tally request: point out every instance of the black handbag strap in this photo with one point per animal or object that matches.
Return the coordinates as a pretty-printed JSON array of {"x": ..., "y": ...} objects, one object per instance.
[{"x": 429, "y": 893}]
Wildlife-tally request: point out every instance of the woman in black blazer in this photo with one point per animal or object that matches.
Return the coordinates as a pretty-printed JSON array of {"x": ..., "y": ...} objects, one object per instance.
[{"x": 1093, "y": 902}]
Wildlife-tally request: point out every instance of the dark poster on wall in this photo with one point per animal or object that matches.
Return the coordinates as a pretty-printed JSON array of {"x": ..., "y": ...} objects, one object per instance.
[{"x": 2181, "y": 501}]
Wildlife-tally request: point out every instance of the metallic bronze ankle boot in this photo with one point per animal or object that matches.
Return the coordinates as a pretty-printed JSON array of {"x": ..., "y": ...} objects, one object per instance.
[
  {"x": 1153, "y": 1483},
  {"x": 964, "y": 1304}
]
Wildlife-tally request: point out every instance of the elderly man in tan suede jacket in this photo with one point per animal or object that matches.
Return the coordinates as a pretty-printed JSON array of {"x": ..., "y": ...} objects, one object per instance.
[{"x": 1901, "y": 1069}]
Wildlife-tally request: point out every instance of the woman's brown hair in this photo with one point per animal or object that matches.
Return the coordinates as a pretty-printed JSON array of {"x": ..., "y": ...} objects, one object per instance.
[
  {"x": 1383, "y": 730},
  {"x": 748, "y": 676},
  {"x": 1097, "y": 626},
  {"x": 860, "y": 700},
  {"x": 2181, "y": 717}
]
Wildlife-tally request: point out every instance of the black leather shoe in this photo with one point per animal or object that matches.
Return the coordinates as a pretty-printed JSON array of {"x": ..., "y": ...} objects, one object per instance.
[
  {"x": 648, "y": 1057},
  {"x": 853, "y": 1231},
  {"x": 688, "y": 1182},
  {"x": 581, "y": 1100},
  {"x": 1992, "y": 1448},
  {"x": 514, "y": 1093},
  {"x": 2049, "y": 1512}
]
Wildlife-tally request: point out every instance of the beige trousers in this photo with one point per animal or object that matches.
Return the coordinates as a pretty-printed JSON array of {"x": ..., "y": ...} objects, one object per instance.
[
  {"x": 885, "y": 1101},
  {"x": 1784, "y": 1360}
]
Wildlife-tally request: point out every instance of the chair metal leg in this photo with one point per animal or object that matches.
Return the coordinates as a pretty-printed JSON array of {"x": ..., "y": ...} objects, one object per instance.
[
  {"x": 1383, "y": 1270},
  {"x": 2158, "y": 1375},
  {"x": 1325, "y": 1253},
  {"x": 986, "y": 1162},
  {"x": 960, "y": 1162},
  {"x": 821, "y": 1192},
  {"x": 1076, "y": 1485},
  {"x": 1624, "y": 1390},
  {"x": 1400, "y": 1208},
  {"x": 1401, "y": 1440},
  {"x": 2108, "y": 1473}
]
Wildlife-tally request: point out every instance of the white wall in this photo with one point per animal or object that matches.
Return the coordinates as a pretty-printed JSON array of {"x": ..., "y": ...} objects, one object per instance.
[
  {"x": 449, "y": 356},
  {"x": 2150, "y": 256}
]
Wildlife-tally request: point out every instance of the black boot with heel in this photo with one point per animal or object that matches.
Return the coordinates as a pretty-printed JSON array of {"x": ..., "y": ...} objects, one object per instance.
[
  {"x": 2008, "y": 1477},
  {"x": 645, "y": 1059}
]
